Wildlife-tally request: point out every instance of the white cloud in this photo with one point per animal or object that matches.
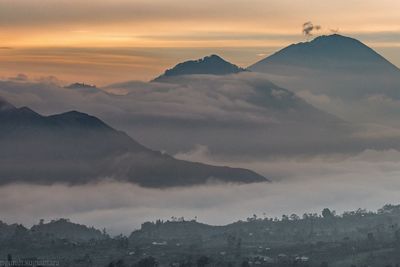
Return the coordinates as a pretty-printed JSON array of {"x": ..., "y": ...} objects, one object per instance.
[{"x": 368, "y": 180}]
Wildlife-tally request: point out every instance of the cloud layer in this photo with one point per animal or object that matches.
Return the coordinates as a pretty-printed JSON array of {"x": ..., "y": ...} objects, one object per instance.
[
  {"x": 368, "y": 180},
  {"x": 187, "y": 111},
  {"x": 242, "y": 115}
]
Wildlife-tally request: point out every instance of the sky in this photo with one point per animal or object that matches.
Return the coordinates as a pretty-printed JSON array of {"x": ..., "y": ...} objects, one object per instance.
[{"x": 106, "y": 41}]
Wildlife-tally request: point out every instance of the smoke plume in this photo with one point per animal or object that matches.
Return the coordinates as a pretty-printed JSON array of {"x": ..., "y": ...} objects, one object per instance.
[{"x": 309, "y": 28}]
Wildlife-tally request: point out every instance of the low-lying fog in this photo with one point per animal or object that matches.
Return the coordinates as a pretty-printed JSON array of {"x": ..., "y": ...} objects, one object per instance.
[{"x": 368, "y": 180}]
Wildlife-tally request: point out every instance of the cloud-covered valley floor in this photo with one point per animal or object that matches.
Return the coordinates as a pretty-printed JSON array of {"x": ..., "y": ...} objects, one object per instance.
[
  {"x": 158, "y": 116},
  {"x": 367, "y": 180}
]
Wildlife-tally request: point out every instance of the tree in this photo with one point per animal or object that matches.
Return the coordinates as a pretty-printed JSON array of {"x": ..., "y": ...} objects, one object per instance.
[
  {"x": 327, "y": 213},
  {"x": 203, "y": 261},
  {"x": 120, "y": 263},
  {"x": 147, "y": 262},
  {"x": 238, "y": 247}
]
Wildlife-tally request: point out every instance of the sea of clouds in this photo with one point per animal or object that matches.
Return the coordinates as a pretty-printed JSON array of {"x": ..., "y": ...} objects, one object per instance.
[
  {"x": 300, "y": 184},
  {"x": 368, "y": 180}
]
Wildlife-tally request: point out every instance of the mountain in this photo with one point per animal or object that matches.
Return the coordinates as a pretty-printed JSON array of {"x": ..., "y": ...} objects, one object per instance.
[
  {"x": 340, "y": 75},
  {"x": 331, "y": 53},
  {"x": 77, "y": 148},
  {"x": 64, "y": 229},
  {"x": 212, "y": 64},
  {"x": 61, "y": 231},
  {"x": 8, "y": 232}
]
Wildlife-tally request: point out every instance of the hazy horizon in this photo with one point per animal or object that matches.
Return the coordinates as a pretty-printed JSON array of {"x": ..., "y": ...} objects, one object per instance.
[
  {"x": 125, "y": 40},
  {"x": 103, "y": 66}
]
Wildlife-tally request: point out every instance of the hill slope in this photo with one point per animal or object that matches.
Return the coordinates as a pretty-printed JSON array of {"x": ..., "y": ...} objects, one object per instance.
[
  {"x": 76, "y": 148},
  {"x": 64, "y": 229}
]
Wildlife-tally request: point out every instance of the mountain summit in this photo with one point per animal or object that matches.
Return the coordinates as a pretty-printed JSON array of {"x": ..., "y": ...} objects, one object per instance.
[
  {"x": 213, "y": 64},
  {"x": 329, "y": 52}
]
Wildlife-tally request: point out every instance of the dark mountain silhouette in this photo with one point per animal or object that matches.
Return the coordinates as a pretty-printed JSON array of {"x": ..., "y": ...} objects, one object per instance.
[
  {"x": 9, "y": 231},
  {"x": 64, "y": 229},
  {"x": 334, "y": 65},
  {"x": 212, "y": 64},
  {"x": 76, "y": 148},
  {"x": 332, "y": 52}
]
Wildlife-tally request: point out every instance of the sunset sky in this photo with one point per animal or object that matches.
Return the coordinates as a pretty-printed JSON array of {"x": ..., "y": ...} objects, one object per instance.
[{"x": 105, "y": 41}]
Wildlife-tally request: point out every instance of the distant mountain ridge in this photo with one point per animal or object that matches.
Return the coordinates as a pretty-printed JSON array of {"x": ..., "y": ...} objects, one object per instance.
[
  {"x": 64, "y": 229},
  {"x": 61, "y": 230},
  {"x": 213, "y": 64},
  {"x": 77, "y": 148}
]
